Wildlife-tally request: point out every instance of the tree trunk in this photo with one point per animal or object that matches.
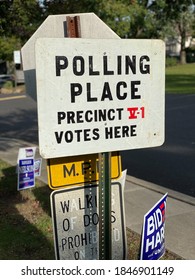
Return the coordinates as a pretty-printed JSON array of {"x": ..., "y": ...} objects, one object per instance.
[
  {"x": 183, "y": 57},
  {"x": 183, "y": 45}
]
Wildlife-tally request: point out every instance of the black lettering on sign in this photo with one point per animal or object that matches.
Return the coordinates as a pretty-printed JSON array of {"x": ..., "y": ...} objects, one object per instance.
[
  {"x": 121, "y": 91},
  {"x": 91, "y": 70},
  {"x": 68, "y": 135},
  {"x": 113, "y": 218},
  {"x": 87, "y": 136},
  {"x": 122, "y": 65},
  {"x": 144, "y": 69},
  {"x": 75, "y": 90},
  {"x": 89, "y": 97},
  {"x": 134, "y": 89},
  {"x": 58, "y": 136},
  {"x": 61, "y": 64},
  {"x": 79, "y": 240},
  {"x": 79, "y": 255},
  {"x": 90, "y": 219},
  {"x": 96, "y": 134},
  {"x": 105, "y": 66},
  {"x": 111, "y": 115},
  {"x": 130, "y": 63},
  {"x": 78, "y": 134},
  {"x": 120, "y": 131},
  {"x": 89, "y": 116},
  {"x": 90, "y": 201},
  {"x": 63, "y": 244},
  {"x": 85, "y": 166},
  {"x": 78, "y": 65},
  {"x": 106, "y": 92},
  {"x": 70, "y": 172},
  {"x": 121, "y": 96},
  {"x": 79, "y": 116},
  {"x": 65, "y": 206},
  {"x": 71, "y": 117},
  {"x": 66, "y": 224},
  {"x": 119, "y": 64},
  {"x": 61, "y": 116}
]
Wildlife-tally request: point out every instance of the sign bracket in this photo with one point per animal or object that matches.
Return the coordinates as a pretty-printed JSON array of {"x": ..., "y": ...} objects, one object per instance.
[{"x": 73, "y": 27}]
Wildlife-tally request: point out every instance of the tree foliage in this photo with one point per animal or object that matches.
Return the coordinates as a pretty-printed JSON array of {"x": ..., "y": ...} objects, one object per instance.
[
  {"x": 69, "y": 7},
  {"x": 128, "y": 18},
  {"x": 18, "y": 21},
  {"x": 177, "y": 18}
]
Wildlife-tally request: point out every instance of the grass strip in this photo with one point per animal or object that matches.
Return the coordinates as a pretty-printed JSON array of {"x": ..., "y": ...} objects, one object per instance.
[{"x": 180, "y": 79}]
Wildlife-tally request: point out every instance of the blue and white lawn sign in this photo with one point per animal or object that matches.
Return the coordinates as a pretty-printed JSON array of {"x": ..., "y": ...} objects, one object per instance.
[
  {"x": 26, "y": 174},
  {"x": 153, "y": 237},
  {"x": 25, "y": 168}
]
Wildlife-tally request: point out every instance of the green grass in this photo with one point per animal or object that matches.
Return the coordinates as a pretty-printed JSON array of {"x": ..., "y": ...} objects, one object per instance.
[
  {"x": 25, "y": 220},
  {"x": 26, "y": 226},
  {"x": 180, "y": 79}
]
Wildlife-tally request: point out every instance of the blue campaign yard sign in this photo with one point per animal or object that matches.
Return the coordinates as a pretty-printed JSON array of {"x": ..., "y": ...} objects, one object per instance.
[
  {"x": 153, "y": 238},
  {"x": 26, "y": 174}
]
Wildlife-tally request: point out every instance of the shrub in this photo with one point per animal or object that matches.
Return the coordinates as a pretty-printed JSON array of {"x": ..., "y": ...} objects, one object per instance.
[{"x": 8, "y": 85}]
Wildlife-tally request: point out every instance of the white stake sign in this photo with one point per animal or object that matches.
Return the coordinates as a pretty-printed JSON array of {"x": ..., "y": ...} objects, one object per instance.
[{"x": 99, "y": 95}]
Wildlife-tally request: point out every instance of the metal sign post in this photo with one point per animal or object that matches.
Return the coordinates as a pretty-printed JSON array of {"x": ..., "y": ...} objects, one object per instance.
[{"x": 105, "y": 236}]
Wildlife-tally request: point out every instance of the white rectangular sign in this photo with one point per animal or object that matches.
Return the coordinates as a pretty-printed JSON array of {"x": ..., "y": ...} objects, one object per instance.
[
  {"x": 76, "y": 223},
  {"x": 99, "y": 95},
  {"x": 17, "y": 57}
]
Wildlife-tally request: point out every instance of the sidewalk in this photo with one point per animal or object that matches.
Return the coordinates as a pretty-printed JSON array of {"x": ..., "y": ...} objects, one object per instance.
[{"x": 140, "y": 196}]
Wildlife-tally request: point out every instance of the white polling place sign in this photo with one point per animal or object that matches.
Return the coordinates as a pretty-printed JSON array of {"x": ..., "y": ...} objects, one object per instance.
[
  {"x": 153, "y": 235},
  {"x": 99, "y": 95}
]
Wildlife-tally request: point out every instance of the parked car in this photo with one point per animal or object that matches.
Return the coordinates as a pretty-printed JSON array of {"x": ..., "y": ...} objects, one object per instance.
[{"x": 5, "y": 78}]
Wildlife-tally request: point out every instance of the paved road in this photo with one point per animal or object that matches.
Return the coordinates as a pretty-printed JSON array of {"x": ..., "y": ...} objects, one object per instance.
[
  {"x": 171, "y": 165},
  {"x": 18, "y": 117}
]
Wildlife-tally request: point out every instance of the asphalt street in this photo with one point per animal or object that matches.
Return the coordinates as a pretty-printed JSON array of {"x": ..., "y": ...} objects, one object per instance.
[{"x": 172, "y": 165}]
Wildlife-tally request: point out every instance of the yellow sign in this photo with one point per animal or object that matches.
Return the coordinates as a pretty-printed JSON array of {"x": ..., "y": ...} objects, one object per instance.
[{"x": 67, "y": 171}]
